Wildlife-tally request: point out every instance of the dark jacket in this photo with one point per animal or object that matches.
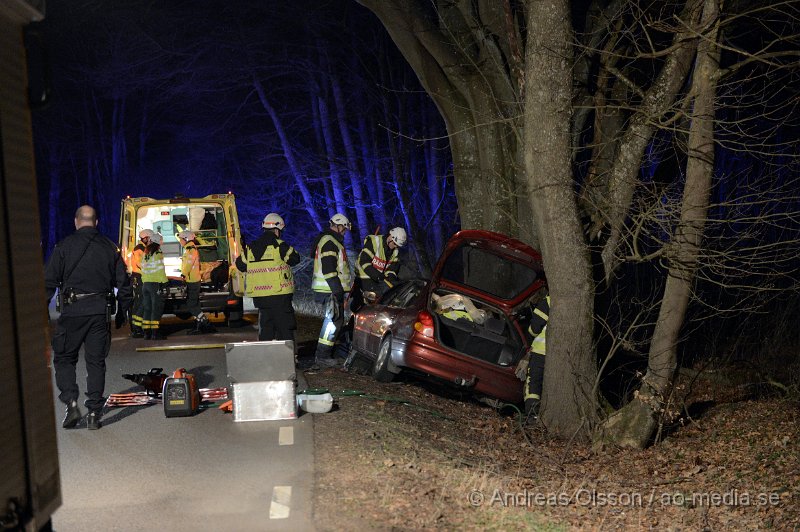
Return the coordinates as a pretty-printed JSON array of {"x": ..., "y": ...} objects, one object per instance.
[{"x": 88, "y": 263}]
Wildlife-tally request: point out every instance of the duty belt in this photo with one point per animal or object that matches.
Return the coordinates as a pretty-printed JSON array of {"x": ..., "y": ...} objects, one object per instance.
[{"x": 82, "y": 296}]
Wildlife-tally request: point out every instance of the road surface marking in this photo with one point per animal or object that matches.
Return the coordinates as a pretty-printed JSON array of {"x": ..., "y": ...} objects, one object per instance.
[
  {"x": 279, "y": 507},
  {"x": 286, "y": 436}
]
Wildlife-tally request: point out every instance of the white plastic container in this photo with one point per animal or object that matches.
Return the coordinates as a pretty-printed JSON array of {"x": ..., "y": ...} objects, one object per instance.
[{"x": 315, "y": 403}]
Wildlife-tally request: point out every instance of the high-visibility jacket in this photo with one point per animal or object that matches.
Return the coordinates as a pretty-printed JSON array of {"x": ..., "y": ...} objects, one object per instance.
[
  {"x": 538, "y": 326},
  {"x": 454, "y": 314},
  {"x": 153, "y": 268},
  {"x": 269, "y": 275},
  {"x": 190, "y": 263},
  {"x": 329, "y": 246},
  {"x": 377, "y": 262},
  {"x": 136, "y": 259}
]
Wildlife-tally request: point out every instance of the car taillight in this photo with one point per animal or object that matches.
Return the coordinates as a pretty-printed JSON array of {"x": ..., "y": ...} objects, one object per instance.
[{"x": 424, "y": 323}]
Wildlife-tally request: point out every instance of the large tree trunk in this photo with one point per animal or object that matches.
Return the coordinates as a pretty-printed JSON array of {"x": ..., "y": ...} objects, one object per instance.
[
  {"x": 568, "y": 401},
  {"x": 635, "y": 424},
  {"x": 453, "y": 50}
]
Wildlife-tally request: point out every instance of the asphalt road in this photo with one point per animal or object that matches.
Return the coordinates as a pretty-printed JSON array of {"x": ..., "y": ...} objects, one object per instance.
[{"x": 143, "y": 471}]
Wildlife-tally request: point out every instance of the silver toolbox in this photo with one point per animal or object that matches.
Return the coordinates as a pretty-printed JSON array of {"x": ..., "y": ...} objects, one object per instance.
[
  {"x": 262, "y": 376},
  {"x": 260, "y": 361},
  {"x": 263, "y": 401}
]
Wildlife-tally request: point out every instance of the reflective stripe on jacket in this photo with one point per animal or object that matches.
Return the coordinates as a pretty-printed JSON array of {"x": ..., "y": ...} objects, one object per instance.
[
  {"x": 153, "y": 268},
  {"x": 270, "y": 275},
  {"x": 319, "y": 281},
  {"x": 539, "y": 343},
  {"x": 190, "y": 263},
  {"x": 374, "y": 254}
]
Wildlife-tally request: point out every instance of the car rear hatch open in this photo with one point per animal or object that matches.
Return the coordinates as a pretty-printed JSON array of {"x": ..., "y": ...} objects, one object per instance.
[{"x": 479, "y": 280}]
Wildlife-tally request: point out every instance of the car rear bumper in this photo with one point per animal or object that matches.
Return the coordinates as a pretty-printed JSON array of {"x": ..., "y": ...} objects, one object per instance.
[{"x": 481, "y": 377}]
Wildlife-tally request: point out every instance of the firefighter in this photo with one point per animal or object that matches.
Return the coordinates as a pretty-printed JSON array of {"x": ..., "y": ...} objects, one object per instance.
[
  {"x": 85, "y": 267},
  {"x": 331, "y": 280},
  {"x": 534, "y": 375},
  {"x": 269, "y": 281},
  {"x": 377, "y": 266},
  {"x": 190, "y": 273},
  {"x": 154, "y": 278},
  {"x": 136, "y": 282}
]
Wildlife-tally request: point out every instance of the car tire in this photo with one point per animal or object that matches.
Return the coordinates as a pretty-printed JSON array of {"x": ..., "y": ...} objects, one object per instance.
[{"x": 380, "y": 370}]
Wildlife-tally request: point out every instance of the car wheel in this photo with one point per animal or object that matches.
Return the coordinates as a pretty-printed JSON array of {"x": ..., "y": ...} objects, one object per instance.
[
  {"x": 380, "y": 370},
  {"x": 357, "y": 363}
]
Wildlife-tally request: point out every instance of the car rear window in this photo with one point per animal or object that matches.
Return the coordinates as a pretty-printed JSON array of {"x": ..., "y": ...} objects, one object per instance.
[{"x": 488, "y": 272}]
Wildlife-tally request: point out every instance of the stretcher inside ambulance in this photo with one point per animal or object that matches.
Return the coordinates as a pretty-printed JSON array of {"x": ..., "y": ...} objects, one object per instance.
[{"x": 214, "y": 221}]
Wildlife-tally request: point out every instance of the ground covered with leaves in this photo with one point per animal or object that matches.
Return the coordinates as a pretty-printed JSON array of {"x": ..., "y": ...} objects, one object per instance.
[{"x": 409, "y": 455}]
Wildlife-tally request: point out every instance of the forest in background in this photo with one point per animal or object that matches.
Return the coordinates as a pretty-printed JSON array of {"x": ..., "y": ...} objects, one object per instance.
[
  {"x": 312, "y": 114},
  {"x": 301, "y": 108}
]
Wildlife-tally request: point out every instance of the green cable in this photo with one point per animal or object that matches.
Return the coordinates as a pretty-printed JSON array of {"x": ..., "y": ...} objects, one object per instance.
[{"x": 359, "y": 393}]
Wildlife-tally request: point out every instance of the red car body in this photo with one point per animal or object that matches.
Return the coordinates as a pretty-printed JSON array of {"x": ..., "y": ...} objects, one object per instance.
[{"x": 497, "y": 280}]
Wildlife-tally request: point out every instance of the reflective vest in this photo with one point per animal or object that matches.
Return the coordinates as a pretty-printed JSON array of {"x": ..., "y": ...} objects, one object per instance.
[
  {"x": 269, "y": 275},
  {"x": 539, "y": 343},
  {"x": 319, "y": 281},
  {"x": 136, "y": 259},
  {"x": 153, "y": 268},
  {"x": 190, "y": 263},
  {"x": 454, "y": 314},
  {"x": 378, "y": 257}
]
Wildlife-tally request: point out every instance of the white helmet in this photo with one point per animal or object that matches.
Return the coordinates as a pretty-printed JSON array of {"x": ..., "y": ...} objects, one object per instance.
[
  {"x": 398, "y": 236},
  {"x": 186, "y": 235},
  {"x": 341, "y": 219},
  {"x": 157, "y": 238},
  {"x": 145, "y": 233},
  {"x": 273, "y": 221}
]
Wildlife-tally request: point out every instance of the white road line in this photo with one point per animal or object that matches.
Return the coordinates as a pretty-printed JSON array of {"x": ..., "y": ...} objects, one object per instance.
[
  {"x": 286, "y": 436},
  {"x": 279, "y": 507}
]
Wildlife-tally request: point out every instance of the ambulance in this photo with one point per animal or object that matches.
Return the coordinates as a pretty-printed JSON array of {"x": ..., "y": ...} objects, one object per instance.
[{"x": 215, "y": 222}]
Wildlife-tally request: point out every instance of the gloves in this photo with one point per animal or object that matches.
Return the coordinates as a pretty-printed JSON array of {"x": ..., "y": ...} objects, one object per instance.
[
  {"x": 335, "y": 307},
  {"x": 120, "y": 318},
  {"x": 522, "y": 367}
]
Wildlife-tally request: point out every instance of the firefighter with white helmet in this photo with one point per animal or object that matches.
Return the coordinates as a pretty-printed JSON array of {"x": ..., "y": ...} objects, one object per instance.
[
  {"x": 330, "y": 281},
  {"x": 136, "y": 282},
  {"x": 191, "y": 275},
  {"x": 153, "y": 278},
  {"x": 270, "y": 281},
  {"x": 378, "y": 265}
]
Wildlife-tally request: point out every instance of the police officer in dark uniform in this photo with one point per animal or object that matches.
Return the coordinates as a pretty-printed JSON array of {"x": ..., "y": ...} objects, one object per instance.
[{"x": 85, "y": 267}]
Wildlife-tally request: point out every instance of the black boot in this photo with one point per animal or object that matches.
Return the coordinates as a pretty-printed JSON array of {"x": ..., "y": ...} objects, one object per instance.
[
  {"x": 207, "y": 327},
  {"x": 198, "y": 328},
  {"x": 146, "y": 334},
  {"x": 72, "y": 415},
  {"x": 136, "y": 332},
  {"x": 93, "y": 420}
]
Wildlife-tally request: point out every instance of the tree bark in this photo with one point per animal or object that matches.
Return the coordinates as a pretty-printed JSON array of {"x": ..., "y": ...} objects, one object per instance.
[
  {"x": 459, "y": 50},
  {"x": 657, "y": 100},
  {"x": 568, "y": 403},
  {"x": 635, "y": 424}
]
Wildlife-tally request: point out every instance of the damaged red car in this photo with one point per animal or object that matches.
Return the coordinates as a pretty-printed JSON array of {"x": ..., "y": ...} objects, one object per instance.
[{"x": 466, "y": 326}]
